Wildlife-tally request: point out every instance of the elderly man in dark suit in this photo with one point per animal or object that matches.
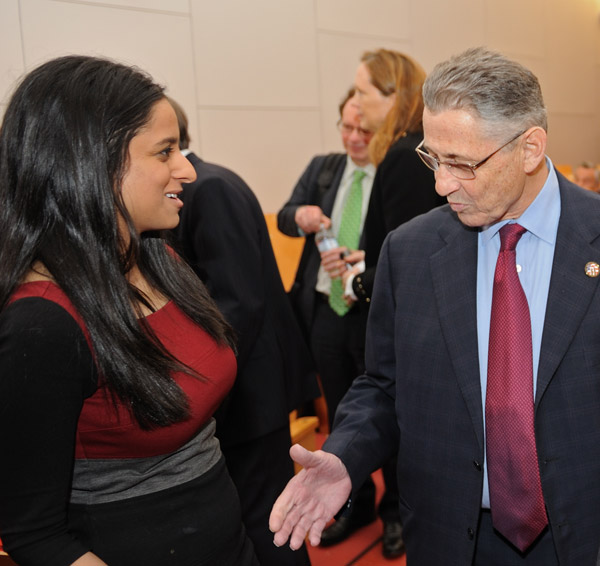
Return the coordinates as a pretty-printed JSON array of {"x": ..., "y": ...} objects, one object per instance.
[
  {"x": 483, "y": 346},
  {"x": 224, "y": 237}
]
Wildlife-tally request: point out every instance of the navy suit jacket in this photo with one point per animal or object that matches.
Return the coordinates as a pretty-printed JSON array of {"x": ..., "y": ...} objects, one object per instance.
[
  {"x": 224, "y": 237},
  {"x": 421, "y": 392}
]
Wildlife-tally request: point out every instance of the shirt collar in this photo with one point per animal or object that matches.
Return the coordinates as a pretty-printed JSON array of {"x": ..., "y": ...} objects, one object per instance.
[{"x": 369, "y": 169}]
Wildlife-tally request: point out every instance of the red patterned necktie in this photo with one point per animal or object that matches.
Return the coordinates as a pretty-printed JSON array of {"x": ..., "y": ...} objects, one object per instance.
[{"x": 516, "y": 499}]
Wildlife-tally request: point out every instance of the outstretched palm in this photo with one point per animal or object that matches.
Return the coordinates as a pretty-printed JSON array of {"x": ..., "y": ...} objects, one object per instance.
[{"x": 310, "y": 499}]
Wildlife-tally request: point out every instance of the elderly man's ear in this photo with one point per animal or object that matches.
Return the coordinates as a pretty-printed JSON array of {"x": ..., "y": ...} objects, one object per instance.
[{"x": 534, "y": 149}]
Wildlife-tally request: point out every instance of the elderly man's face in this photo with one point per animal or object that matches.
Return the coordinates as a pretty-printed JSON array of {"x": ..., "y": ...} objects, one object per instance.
[
  {"x": 499, "y": 190},
  {"x": 355, "y": 139}
]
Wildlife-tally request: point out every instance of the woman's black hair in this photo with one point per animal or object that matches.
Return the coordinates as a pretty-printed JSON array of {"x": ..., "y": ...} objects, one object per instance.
[{"x": 63, "y": 154}]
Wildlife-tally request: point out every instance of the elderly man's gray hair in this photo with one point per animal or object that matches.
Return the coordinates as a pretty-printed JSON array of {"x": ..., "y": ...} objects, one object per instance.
[{"x": 503, "y": 93}]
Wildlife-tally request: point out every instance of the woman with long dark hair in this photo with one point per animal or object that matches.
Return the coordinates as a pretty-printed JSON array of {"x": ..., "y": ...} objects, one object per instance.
[{"x": 113, "y": 357}]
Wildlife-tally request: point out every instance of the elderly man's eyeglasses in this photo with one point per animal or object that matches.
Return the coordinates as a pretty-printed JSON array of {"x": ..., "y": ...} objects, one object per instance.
[
  {"x": 462, "y": 171},
  {"x": 347, "y": 129}
]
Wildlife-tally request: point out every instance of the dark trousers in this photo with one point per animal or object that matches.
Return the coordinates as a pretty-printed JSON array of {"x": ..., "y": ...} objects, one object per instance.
[
  {"x": 494, "y": 550},
  {"x": 260, "y": 469},
  {"x": 338, "y": 347}
]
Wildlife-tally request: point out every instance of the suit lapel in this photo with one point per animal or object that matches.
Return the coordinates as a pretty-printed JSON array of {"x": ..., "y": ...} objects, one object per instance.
[
  {"x": 571, "y": 290},
  {"x": 454, "y": 274}
]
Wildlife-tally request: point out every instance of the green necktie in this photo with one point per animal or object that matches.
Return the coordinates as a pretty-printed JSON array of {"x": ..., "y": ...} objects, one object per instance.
[{"x": 348, "y": 235}]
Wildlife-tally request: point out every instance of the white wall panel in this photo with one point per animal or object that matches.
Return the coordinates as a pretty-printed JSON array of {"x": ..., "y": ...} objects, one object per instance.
[
  {"x": 381, "y": 18},
  {"x": 567, "y": 86},
  {"x": 179, "y": 6},
  {"x": 158, "y": 43},
  {"x": 516, "y": 27},
  {"x": 596, "y": 34},
  {"x": 11, "y": 54},
  {"x": 441, "y": 29},
  {"x": 276, "y": 63},
  {"x": 260, "y": 53},
  {"x": 571, "y": 139},
  {"x": 268, "y": 149}
]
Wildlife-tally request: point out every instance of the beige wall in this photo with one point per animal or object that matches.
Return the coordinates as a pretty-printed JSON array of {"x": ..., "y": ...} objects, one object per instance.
[{"x": 261, "y": 79}]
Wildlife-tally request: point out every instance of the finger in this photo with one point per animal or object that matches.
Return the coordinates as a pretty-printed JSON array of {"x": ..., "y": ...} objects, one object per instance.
[
  {"x": 281, "y": 537},
  {"x": 283, "y": 504},
  {"x": 287, "y": 529},
  {"x": 312, "y": 520},
  {"x": 355, "y": 256},
  {"x": 314, "y": 535},
  {"x": 302, "y": 456},
  {"x": 278, "y": 513},
  {"x": 292, "y": 524},
  {"x": 325, "y": 220},
  {"x": 326, "y": 261},
  {"x": 335, "y": 264},
  {"x": 281, "y": 528},
  {"x": 330, "y": 254},
  {"x": 331, "y": 265},
  {"x": 300, "y": 531}
]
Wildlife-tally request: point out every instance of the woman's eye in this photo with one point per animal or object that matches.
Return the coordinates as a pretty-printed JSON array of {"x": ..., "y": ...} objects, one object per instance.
[{"x": 167, "y": 151}]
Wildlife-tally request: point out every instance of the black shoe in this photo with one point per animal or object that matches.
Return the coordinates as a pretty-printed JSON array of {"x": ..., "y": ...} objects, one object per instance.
[
  {"x": 393, "y": 545},
  {"x": 344, "y": 527}
]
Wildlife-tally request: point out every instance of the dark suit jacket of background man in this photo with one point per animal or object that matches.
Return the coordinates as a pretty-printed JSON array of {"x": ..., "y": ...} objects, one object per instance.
[
  {"x": 225, "y": 239},
  {"x": 423, "y": 377},
  {"x": 318, "y": 186}
]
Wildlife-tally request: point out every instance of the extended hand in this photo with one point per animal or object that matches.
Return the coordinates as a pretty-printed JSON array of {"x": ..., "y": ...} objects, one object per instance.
[{"x": 310, "y": 499}]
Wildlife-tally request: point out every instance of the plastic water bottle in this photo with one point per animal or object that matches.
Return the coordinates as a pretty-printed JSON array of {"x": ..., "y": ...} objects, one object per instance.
[{"x": 325, "y": 239}]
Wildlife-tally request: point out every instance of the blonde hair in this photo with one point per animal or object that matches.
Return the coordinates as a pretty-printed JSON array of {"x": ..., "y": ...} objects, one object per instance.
[{"x": 395, "y": 73}]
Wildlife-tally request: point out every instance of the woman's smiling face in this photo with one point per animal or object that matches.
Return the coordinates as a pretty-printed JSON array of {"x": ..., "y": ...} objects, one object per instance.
[{"x": 156, "y": 169}]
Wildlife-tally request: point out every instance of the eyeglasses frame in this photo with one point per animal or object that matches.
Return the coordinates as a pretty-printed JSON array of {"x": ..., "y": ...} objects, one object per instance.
[
  {"x": 449, "y": 165},
  {"x": 361, "y": 131}
]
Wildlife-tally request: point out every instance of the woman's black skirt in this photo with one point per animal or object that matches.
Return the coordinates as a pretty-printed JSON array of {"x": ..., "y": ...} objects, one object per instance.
[{"x": 197, "y": 523}]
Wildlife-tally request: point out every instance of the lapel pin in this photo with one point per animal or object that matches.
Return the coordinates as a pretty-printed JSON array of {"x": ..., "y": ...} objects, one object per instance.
[{"x": 592, "y": 269}]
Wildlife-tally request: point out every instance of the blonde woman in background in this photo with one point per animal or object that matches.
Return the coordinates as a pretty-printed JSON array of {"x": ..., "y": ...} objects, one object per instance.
[{"x": 388, "y": 97}]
